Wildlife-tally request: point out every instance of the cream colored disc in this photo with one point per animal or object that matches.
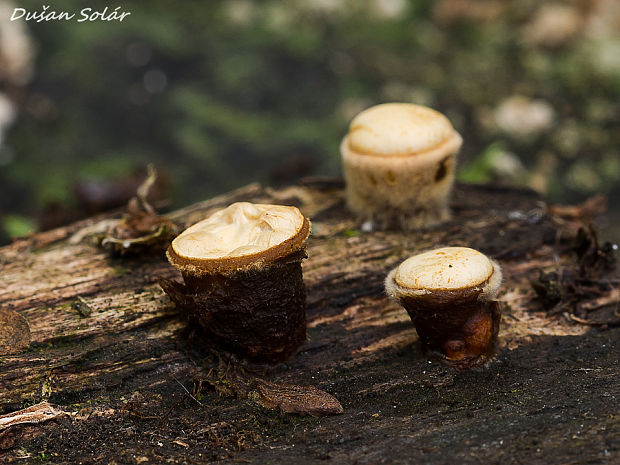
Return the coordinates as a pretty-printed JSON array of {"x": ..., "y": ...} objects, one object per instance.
[
  {"x": 399, "y": 129},
  {"x": 448, "y": 268},
  {"x": 241, "y": 229}
]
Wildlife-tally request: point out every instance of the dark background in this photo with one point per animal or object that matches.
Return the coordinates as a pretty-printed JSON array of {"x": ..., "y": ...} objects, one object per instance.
[{"x": 221, "y": 93}]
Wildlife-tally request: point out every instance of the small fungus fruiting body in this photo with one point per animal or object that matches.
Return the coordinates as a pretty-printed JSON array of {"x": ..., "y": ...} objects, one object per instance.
[
  {"x": 448, "y": 293},
  {"x": 398, "y": 161},
  {"x": 243, "y": 280}
]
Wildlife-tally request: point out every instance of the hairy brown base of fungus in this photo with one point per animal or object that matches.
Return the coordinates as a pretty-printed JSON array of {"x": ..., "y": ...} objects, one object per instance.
[
  {"x": 258, "y": 313},
  {"x": 463, "y": 336}
]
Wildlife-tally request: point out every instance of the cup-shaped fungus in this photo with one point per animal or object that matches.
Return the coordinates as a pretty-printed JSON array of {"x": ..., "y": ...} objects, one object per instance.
[
  {"x": 449, "y": 294},
  {"x": 243, "y": 280},
  {"x": 398, "y": 161}
]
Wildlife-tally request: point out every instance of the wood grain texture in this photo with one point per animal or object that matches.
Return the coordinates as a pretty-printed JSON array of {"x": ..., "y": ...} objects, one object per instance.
[{"x": 109, "y": 347}]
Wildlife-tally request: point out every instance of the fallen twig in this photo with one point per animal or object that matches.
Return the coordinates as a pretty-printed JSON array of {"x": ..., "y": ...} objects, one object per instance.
[{"x": 36, "y": 414}]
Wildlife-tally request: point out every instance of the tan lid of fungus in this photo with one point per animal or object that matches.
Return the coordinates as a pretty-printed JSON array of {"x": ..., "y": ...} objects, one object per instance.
[
  {"x": 239, "y": 235},
  {"x": 401, "y": 129},
  {"x": 448, "y": 268}
]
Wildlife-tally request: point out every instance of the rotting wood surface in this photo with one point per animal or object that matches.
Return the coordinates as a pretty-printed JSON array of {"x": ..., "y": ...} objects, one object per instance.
[{"x": 110, "y": 349}]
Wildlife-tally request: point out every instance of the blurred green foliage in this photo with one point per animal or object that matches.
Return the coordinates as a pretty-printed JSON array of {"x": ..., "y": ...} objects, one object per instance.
[
  {"x": 17, "y": 225},
  {"x": 222, "y": 93}
]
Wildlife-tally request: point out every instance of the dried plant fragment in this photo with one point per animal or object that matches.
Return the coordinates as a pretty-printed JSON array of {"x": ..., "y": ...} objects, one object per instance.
[
  {"x": 292, "y": 398},
  {"x": 14, "y": 333},
  {"x": 35, "y": 414},
  {"x": 585, "y": 211},
  {"x": 594, "y": 260},
  {"x": 19, "y": 425},
  {"x": 141, "y": 230},
  {"x": 229, "y": 380},
  {"x": 82, "y": 307},
  {"x": 586, "y": 291}
]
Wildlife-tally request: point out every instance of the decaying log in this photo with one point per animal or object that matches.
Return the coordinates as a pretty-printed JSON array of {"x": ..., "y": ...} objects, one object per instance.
[{"x": 109, "y": 348}]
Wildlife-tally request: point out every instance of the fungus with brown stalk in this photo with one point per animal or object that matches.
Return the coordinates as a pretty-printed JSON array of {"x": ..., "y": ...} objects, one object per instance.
[
  {"x": 449, "y": 294},
  {"x": 399, "y": 162},
  {"x": 243, "y": 279}
]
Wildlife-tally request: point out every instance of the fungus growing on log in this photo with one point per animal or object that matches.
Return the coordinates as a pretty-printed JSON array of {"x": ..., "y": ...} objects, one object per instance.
[
  {"x": 243, "y": 280},
  {"x": 398, "y": 162},
  {"x": 449, "y": 294}
]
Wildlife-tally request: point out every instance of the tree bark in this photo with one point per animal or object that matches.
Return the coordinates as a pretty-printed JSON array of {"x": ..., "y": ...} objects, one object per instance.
[{"x": 109, "y": 348}]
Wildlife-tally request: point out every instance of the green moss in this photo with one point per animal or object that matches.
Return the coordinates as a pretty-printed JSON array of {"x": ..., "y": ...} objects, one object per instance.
[
  {"x": 119, "y": 270},
  {"x": 17, "y": 225}
]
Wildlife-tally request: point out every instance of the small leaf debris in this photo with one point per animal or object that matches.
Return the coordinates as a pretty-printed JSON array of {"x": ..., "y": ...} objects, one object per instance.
[
  {"x": 38, "y": 413},
  {"x": 12, "y": 424},
  {"x": 81, "y": 306},
  {"x": 231, "y": 380},
  {"x": 141, "y": 230},
  {"x": 587, "y": 292}
]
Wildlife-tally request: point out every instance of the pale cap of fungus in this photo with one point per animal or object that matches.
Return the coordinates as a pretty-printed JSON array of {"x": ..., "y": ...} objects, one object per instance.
[
  {"x": 450, "y": 272},
  {"x": 399, "y": 161},
  {"x": 401, "y": 130},
  {"x": 239, "y": 236}
]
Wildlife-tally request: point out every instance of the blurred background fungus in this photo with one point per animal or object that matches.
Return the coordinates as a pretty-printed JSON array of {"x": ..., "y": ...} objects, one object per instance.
[{"x": 222, "y": 93}]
